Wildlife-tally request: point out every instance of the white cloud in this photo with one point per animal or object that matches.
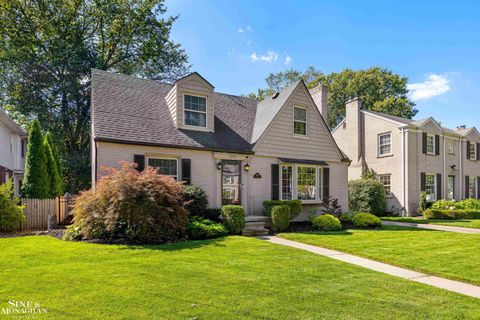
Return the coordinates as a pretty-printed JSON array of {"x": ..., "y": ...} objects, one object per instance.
[
  {"x": 240, "y": 30},
  {"x": 435, "y": 85},
  {"x": 269, "y": 57},
  {"x": 288, "y": 60},
  {"x": 249, "y": 29},
  {"x": 230, "y": 52}
]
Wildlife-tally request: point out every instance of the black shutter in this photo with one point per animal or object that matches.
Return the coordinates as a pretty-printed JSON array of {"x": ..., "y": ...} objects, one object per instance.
[
  {"x": 437, "y": 144},
  {"x": 424, "y": 142},
  {"x": 139, "y": 159},
  {"x": 467, "y": 185},
  {"x": 326, "y": 183},
  {"x": 187, "y": 171},
  {"x": 477, "y": 150},
  {"x": 478, "y": 188},
  {"x": 468, "y": 149},
  {"x": 422, "y": 181},
  {"x": 439, "y": 186},
  {"x": 275, "y": 182}
]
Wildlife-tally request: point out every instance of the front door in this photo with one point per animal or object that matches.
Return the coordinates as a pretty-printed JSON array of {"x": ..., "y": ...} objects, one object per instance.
[{"x": 231, "y": 182}]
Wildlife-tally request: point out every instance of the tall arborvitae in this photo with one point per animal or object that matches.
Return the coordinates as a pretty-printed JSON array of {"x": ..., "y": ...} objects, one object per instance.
[
  {"x": 55, "y": 188},
  {"x": 61, "y": 186},
  {"x": 36, "y": 183}
]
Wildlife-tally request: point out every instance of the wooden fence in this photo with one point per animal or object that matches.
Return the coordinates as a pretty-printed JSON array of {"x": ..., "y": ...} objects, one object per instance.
[{"x": 42, "y": 214}]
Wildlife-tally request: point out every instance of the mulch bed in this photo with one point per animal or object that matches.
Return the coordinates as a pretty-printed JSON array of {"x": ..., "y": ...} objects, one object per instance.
[{"x": 56, "y": 233}]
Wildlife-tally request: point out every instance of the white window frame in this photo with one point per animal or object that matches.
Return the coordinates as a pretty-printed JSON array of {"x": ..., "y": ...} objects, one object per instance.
[
  {"x": 433, "y": 144},
  {"x": 473, "y": 155},
  {"x": 389, "y": 175},
  {"x": 204, "y": 112},
  {"x": 318, "y": 184},
  {"x": 470, "y": 178},
  {"x": 379, "y": 151},
  {"x": 166, "y": 158},
  {"x": 306, "y": 124},
  {"x": 434, "y": 196},
  {"x": 451, "y": 147}
]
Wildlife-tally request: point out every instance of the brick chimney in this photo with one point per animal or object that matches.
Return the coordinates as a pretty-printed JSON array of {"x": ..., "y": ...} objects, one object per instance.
[{"x": 320, "y": 97}]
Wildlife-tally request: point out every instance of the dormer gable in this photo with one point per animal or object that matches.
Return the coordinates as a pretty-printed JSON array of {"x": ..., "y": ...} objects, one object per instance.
[{"x": 191, "y": 103}]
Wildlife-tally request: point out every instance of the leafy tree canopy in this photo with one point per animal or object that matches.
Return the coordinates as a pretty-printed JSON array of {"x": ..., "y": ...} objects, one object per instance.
[
  {"x": 379, "y": 88},
  {"x": 47, "y": 49}
]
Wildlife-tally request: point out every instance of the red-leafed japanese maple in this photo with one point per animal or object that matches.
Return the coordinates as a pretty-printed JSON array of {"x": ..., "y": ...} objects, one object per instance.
[{"x": 132, "y": 206}]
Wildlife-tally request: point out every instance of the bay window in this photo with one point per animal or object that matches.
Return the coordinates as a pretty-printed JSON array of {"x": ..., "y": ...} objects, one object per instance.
[{"x": 302, "y": 182}]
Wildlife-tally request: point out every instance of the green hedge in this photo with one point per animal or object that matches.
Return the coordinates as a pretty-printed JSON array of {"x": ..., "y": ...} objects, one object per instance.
[
  {"x": 365, "y": 220},
  {"x": 451, "y": 214},
  {"x": 294, "y": 205},
  {"x": 367, "y": 195},
  {"x": 280, "y": 217},
  {"x": 233, "y": 218},
  {"x": 467, "y": 204},
  {"x": 326, "y": 222},
  {"x": 199, "y": 228}
]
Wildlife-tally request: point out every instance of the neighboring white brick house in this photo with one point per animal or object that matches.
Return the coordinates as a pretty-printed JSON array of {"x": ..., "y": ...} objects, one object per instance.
[
  {"x": 410, "y": 156},
  {"x": 239, "y": 150},
  {"x": 13, "y": 142}
]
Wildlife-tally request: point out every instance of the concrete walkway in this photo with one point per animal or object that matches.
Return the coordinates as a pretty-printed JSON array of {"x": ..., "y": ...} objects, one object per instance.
[
  {"x": 432, "y": 227},
  {"x": 451, "y": 285}
]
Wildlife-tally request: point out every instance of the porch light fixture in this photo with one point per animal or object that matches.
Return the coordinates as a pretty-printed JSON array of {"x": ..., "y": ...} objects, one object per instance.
[
  {"x": 246, "y": 167},
  {"x": 219, "y": 165}
]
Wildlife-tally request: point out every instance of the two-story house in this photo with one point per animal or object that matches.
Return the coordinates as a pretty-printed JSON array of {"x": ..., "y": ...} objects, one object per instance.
[
  {"x": 13, "y": 146},
  {"x": 239, "y": 150},
  {"x": 410, "y": 156}
]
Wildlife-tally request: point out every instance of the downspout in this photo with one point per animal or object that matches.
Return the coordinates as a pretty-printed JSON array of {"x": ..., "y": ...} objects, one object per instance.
[
  {"x": 460, "y": 171},
  {"x": 404, "y": 198},
  {"x": 445, "y": 180}
]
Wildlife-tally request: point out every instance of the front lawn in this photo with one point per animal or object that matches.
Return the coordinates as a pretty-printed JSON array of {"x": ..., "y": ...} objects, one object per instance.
[
  {"x": 469, "y": 223},
  {"x": 231, "y": 278},
  {"x": 447, "y": 254}
]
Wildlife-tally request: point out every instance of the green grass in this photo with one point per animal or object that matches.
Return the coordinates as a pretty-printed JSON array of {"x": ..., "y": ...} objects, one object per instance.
[
  {"x": 231, "y": 278},
  {"x": 447, "y": 254},
  {"x": 469, "y": 223}
]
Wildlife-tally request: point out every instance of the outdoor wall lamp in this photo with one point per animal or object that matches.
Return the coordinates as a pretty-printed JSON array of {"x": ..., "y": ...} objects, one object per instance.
[
  {"x": 246, "y": 167},
  {"x": 219, "y": 165}
]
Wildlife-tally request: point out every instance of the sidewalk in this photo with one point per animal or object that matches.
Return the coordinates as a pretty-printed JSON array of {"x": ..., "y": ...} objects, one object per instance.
[
  {"x": 432, "y": 227},
  {"x": 451, "y": 285}
]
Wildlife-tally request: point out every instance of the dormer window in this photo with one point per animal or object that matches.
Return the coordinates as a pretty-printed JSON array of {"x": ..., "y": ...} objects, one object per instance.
[
  {"x": 195, "y": 111},
  {"x": 299, "y": 121}
]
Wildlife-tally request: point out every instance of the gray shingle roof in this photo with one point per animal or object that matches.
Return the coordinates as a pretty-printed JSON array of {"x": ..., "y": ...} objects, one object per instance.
[{"x": 128, "y": 109}]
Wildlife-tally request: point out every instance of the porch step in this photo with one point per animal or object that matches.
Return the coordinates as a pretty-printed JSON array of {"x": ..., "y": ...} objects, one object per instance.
[{"x": 255, "y": 226}]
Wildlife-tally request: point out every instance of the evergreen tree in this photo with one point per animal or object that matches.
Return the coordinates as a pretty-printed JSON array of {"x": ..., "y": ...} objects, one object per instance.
[
  {"x": 36, "y": 183},
  {"x": 61, "y": 186},
  {"x": 55, "y": 188}
]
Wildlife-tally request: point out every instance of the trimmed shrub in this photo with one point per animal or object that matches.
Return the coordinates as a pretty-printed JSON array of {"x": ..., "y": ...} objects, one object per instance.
[
  {"x": 326, "y": 222},
  {"x": 443, "y": 205},
  {"x": 422, "y": 203},
  {"x": 367, "y": 195},
  {"x": 11, "y": 214},
  {"x": 467, "y": 204},
  {"x": 195, "y": 200},
  {"x": 451, "y": 214},
  {"x": 366, "y": 220},
  {"x": 213, "y": 214},
  {"x": 199, "y": 228},
  {"x": 234, "y": 218},
  {"x": 132, "y": 206},
  {"x": 280, "y": 217},
  {"x": 55, "y": 180},
  {"x": 346, "y": 216},
  {"x": 295, "y": 206}
]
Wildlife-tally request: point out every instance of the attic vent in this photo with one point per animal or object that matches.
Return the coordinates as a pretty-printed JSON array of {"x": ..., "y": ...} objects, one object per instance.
[
  {"x": 462, "y": 127},
  {"x": 275, "y": 95}
]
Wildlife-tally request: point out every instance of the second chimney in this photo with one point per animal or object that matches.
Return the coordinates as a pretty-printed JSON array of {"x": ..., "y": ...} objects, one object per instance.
[{"x": 320, "y": 97}]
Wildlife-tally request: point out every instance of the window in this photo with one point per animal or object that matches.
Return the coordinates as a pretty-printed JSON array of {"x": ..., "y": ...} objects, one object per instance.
[
  {"x": 384, "y": 144},
  {"x": 473, "y": 151},
  {"x": 306, "y": 183},
  {"x": 430, "y": 187},
  {"x": 166, "y": 167},
  {"x": 430, "y": 144},
  {"x": 301, "y": 182},
  {"x": 287, "y": 183},
  {"x": 451, "y": 147},
  {"x": 385, "y": 179},
  {"x": 195, "y": 111},
  {"x": 300, "y": 121},
  {"x": 472, "y": 187},
  {"x": 451, "y": 187}
]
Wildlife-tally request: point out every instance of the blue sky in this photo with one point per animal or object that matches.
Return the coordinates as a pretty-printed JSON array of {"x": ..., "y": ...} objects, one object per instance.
[{"x": 436, "y": 44}]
